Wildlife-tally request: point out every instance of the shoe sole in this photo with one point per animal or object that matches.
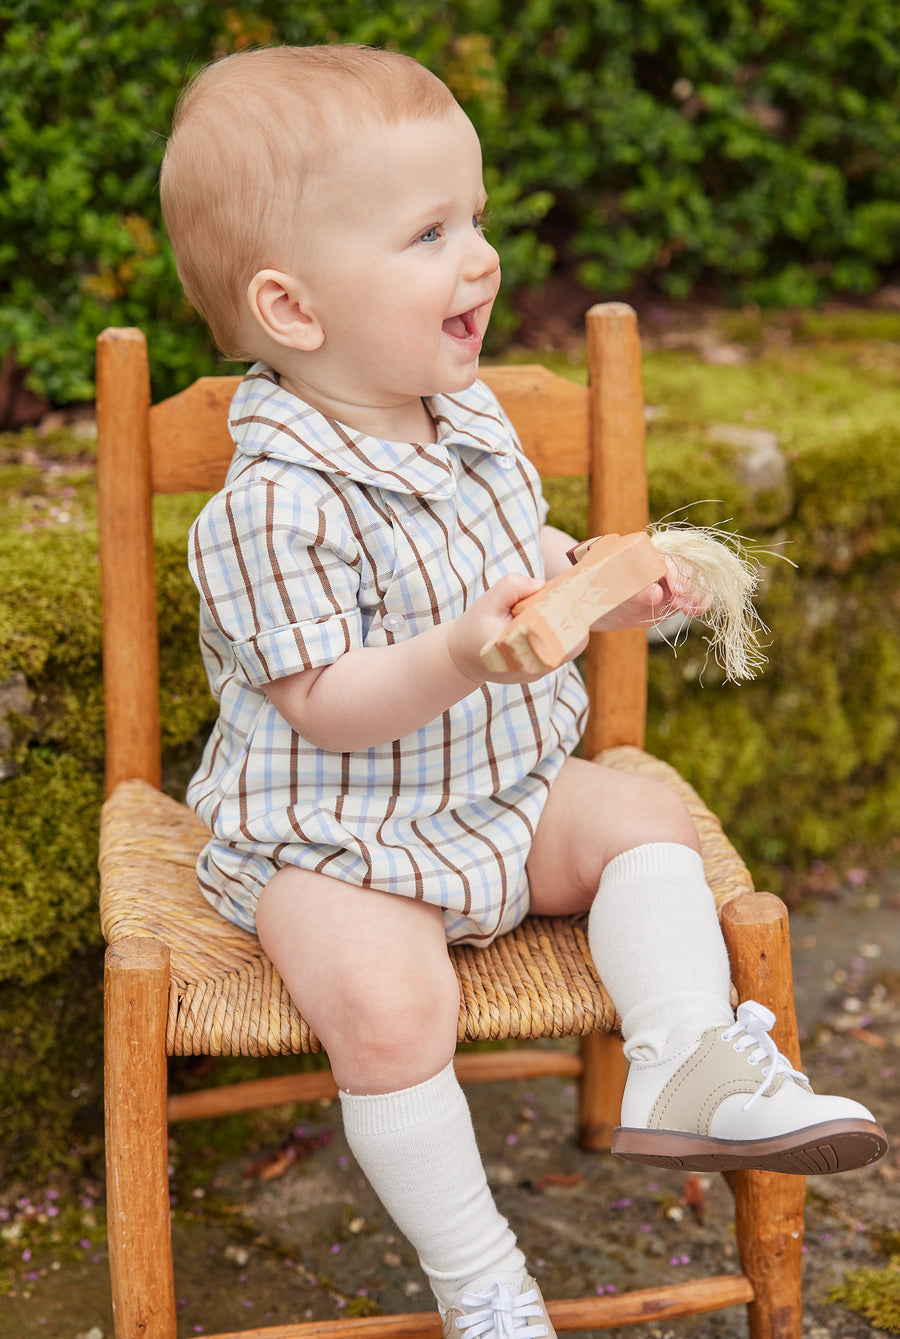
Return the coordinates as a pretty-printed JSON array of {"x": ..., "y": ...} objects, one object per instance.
[{"x": 834, "y": 1146}]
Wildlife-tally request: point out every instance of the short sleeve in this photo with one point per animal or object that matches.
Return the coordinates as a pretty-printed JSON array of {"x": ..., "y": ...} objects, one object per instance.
[{"x": 278, "y": 580}]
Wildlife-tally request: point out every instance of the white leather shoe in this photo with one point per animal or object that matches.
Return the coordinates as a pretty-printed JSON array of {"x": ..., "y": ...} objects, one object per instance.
[
  {"x": 732, "y": 1101},
  {"x": 495, "y": 1311}
]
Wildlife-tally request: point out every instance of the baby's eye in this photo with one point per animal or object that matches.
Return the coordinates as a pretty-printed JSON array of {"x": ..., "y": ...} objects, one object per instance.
[
  {"x": 430, "y": 234},
  {"x": 480, "y": 221}
]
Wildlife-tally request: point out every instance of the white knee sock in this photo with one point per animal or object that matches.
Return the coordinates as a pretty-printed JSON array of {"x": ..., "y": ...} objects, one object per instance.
[
  {"x": 417, "y": 1147},
  {"x": 655, "y": 939}
]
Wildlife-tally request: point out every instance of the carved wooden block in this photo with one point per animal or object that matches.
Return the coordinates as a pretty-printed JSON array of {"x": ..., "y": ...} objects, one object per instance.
[{"x": 550, "y": 625}]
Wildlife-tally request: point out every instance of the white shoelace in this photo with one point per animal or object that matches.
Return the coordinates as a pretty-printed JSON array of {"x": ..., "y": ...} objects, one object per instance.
[
  {"x": 754, "y": 1022},
  {"x": 499, "y": 1313}
]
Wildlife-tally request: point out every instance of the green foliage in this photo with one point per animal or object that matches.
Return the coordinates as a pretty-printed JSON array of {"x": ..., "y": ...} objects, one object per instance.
[
  {"x": 747, "y": 140},
  {"x": 86, "y": 93},
  {"x": 656, "y": 142}
]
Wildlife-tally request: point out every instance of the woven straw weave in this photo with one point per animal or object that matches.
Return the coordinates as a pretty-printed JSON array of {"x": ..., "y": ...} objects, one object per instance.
[{"x": 225, "y": 998}]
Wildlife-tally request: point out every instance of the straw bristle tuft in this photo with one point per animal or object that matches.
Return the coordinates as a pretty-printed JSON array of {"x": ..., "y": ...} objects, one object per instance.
[{"x": 727, "y": 574}]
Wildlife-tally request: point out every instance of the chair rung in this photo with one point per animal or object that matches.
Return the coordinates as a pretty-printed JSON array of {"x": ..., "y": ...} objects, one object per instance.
[
  {"x": 629, "y": 1308},
  {"x": 578, "y": 1313},
  {"x": 474, "y": 1067}
]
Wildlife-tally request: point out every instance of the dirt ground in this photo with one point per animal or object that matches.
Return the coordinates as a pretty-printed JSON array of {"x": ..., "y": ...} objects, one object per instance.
[{"x": 313, "y": 1241}]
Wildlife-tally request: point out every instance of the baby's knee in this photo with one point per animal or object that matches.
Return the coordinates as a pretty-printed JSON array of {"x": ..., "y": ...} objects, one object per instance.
[
  {"x": 397, "y": 1008},
  {"x": 672, "y": 817},
  {"x": 647, "y": 810},
  {"x": 399, "y": 1026}
]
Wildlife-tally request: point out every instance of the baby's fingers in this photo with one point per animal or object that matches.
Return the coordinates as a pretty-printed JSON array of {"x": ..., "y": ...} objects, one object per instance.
[
  {"x": 683, "y": 596},
  {"x": 486, "y": 619},
  {"x": 509, "y": 591}
]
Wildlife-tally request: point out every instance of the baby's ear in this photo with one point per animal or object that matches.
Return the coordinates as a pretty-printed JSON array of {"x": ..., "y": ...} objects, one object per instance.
[{"x": 278, "y": 302}]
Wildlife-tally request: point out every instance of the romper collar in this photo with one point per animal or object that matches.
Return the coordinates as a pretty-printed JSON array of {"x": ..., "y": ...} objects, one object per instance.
[{"x": 270, "y": 423}]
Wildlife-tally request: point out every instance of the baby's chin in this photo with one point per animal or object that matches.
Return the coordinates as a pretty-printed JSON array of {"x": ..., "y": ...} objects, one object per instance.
[{"x": 465, "y": 378}]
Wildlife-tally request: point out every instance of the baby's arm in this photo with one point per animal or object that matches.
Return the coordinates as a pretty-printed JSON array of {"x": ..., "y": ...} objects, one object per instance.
[{"x": 372, "y": 695}]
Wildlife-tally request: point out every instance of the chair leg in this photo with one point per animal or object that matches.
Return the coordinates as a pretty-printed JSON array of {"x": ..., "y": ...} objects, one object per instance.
[
  {"x": 603, "y": 1074},
  {"x": 136, "y": 991},
  {"x": 768, "y": 1206}
]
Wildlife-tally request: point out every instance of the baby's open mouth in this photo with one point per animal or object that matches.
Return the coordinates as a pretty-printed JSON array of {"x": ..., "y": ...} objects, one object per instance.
[{"x": 463, "y": 326}]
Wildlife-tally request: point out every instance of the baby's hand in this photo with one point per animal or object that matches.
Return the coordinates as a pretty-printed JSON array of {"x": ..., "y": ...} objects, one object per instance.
[
  {"x": 674, "y": 594},
  {"x": 681, "y": 595},
  {"x": 482, "y": 622}
]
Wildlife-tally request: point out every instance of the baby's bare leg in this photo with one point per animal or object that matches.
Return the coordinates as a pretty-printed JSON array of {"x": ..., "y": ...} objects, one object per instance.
[
  {"x": 592, "y": 815},
  {"x": 370, "y": 973}
]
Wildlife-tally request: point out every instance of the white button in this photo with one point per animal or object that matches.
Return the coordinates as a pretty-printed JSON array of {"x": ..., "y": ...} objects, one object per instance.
[
  {"x": 506, "y": 461},
  {"x": 393, "y": 622}
]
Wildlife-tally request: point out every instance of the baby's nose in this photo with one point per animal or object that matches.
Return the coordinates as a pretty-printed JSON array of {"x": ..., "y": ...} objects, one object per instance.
[{"x": 482, "y": 259}]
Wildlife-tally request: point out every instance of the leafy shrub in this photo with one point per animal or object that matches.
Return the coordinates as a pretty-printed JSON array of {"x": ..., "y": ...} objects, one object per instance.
[
  {"x": 662, "y": 142},
  {"x": 86, "y": 94},
  {"x": 86, "y": 97}
]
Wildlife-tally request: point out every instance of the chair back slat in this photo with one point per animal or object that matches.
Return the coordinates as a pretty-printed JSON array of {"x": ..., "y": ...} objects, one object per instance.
[
  {"x": 190, "y": 446},
  {"x": 550, "y": 414}
]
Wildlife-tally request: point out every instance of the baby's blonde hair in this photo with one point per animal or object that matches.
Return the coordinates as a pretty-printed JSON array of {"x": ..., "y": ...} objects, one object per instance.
[{"x": 245, "y": 134}]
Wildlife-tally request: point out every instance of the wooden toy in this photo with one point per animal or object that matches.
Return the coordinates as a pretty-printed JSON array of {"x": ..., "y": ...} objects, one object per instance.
[{"x": 548, "y": 627}]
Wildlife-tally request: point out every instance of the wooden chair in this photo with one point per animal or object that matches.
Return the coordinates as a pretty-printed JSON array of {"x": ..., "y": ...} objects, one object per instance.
[{"x": 181, "y": 980}]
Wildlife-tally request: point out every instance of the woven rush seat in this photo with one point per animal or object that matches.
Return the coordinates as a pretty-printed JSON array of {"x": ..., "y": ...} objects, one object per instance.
[{"x": 225, "y": 998}]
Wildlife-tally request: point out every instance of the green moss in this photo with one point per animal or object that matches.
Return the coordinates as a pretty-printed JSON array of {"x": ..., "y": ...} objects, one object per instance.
[
  {"x": 51, "y": 1098},
  {"x": 874, "y": 1294},
  {"x": 61, "y": 444},
  {"x": 567, "y": 499},
  {"x": 807, "y": 395},
  {"x": 800, "y": 763},
  {"x": 803, "y": 761},
  {"x": 766, "y": 329},
  {"x": 846, "y": 500},
  {"x": 693, "y": 480},
  {"x": 48, "y": 855},
  {"x": 889, "y": 1242},
  {"x": 49, "y": 604},
  {"x": 854, "y": 323},
  {"x": 186, "y": 705}
]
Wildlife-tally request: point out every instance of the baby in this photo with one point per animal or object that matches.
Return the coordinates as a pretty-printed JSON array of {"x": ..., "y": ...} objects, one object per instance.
[{"x": 372, "y": 791}]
